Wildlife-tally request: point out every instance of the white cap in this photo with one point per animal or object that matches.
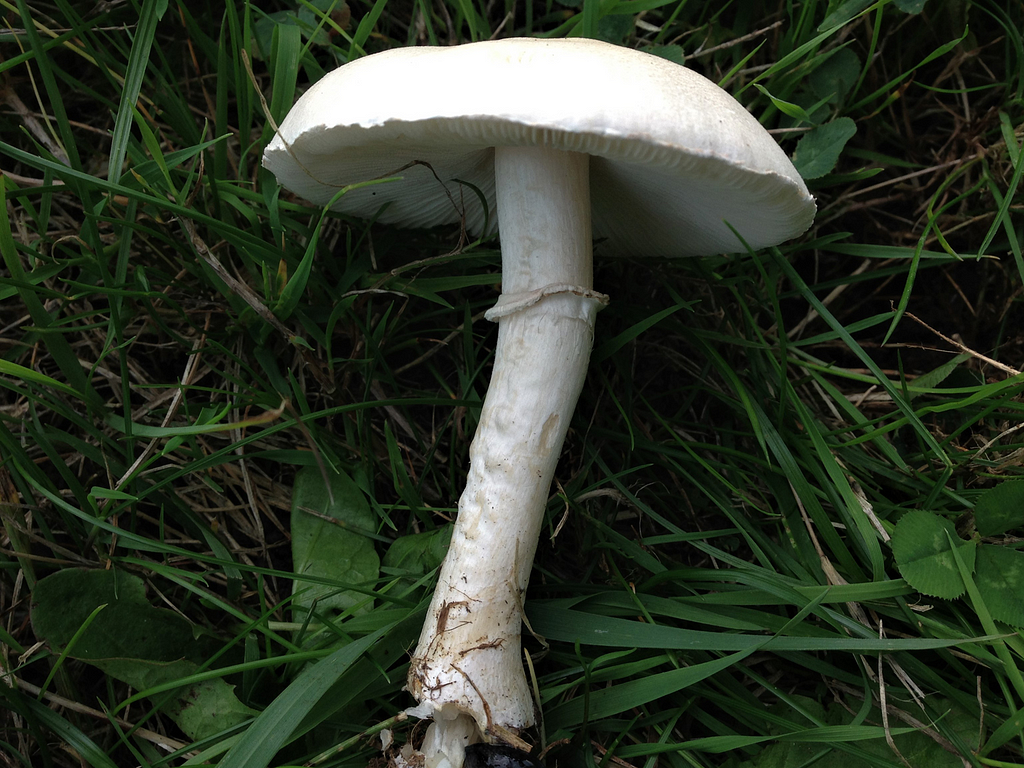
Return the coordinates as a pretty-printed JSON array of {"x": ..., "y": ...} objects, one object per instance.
[{"x": 675, "y": 160}]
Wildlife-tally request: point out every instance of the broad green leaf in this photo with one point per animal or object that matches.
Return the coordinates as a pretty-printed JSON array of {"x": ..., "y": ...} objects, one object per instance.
[
  {"x": 305, "y": 17},
  {"x": 207, "y": 708},
  {"x": 673, "y": 53},
  {"x": 64, "y": 600},
  {"x": 843, "y": 12},
  {"x": 818, "y": 150},
  {"x": 614, "y": 28},
  {"x": 134, "y": 642},
  {"x": 1000, "y": 509},
  {"x": 910, "y": 6},
  {"x": 1000, "y": 578},
  {"x": 836, "y": 76},
  {"x": 329, "y": 542},
  {"x": 924, "y": 557},
  {"x": 414, "y": 555}
]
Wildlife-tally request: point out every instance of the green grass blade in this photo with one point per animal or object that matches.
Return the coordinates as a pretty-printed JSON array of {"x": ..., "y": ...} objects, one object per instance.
[
  {"x": 274, "y": 726},
  {"x": 135, "y": 73}
]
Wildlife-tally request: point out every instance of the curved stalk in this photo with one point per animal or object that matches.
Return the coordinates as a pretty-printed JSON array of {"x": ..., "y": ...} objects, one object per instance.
[{"x": 468, "y": 660}]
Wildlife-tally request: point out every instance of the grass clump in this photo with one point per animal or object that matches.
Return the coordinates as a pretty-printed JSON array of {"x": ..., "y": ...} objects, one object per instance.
[{"x": 762, "y": 548}]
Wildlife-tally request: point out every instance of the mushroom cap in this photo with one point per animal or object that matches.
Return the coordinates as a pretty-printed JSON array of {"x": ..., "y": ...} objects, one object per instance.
[{"x": 677, "y": 162}]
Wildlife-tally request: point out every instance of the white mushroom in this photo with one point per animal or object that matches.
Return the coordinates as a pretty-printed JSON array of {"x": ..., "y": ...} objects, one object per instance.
[{"x": 550, "y": 133}]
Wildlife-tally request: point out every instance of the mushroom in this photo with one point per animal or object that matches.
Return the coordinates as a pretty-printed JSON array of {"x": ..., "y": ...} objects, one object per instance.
[{"x": 535, "y": 137}]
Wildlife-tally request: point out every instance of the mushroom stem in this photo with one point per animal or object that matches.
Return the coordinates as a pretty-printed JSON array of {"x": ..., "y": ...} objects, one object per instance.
[{"x": 468, "y": 656}]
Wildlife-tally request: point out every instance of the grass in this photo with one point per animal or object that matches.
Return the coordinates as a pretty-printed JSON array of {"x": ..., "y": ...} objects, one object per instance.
[{"x": 717, "y": 584}]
